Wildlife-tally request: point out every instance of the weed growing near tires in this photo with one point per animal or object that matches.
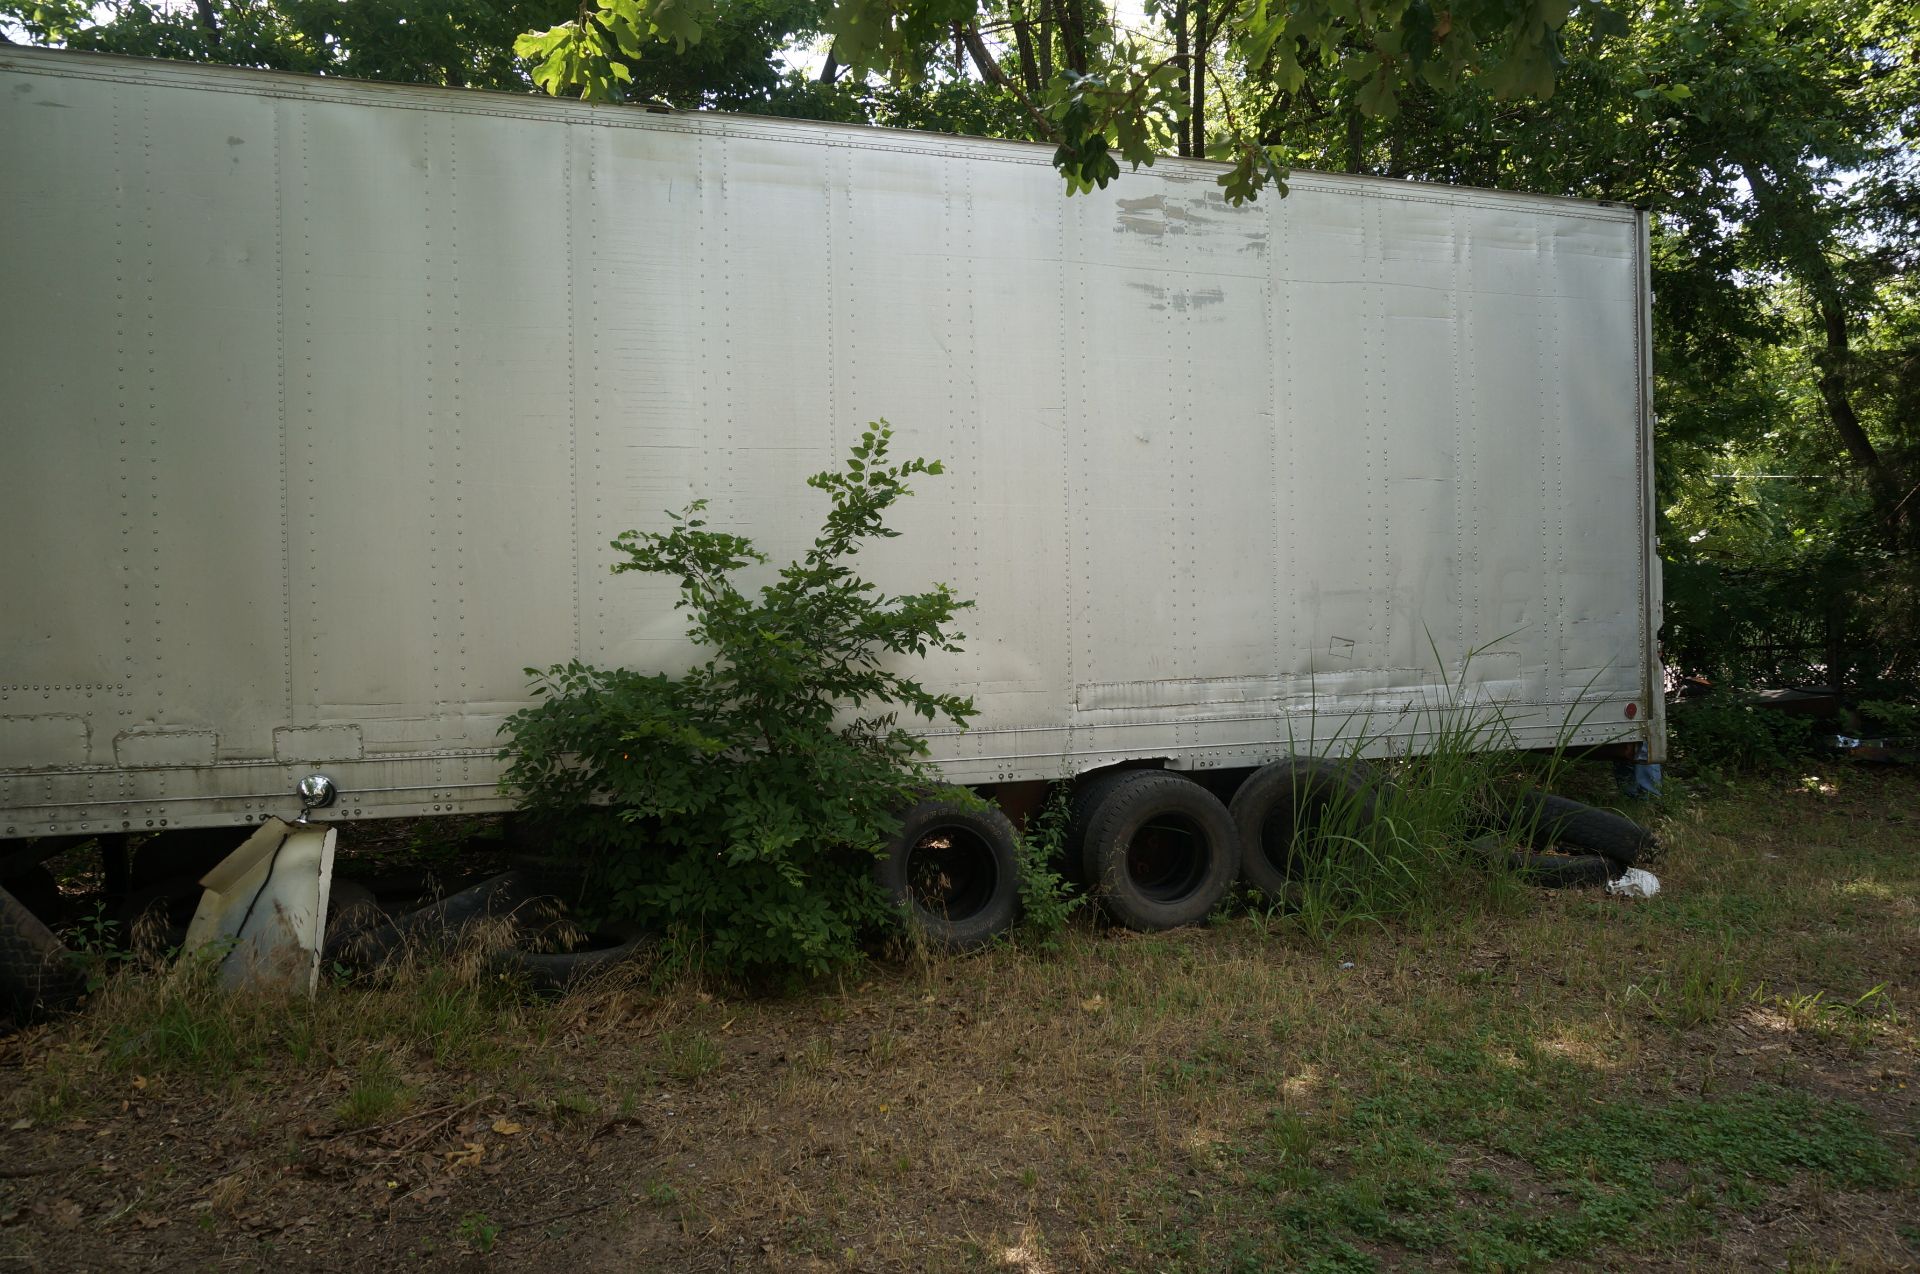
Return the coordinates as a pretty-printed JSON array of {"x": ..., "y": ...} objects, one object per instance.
[
  {"x": 377, "y": 1095},
  {"x": 1403, "y": 839},
  {"x": 479, "y": 1230},
  {"x": 745, "y": 807},
  {"x": 1046, "y": 899}
]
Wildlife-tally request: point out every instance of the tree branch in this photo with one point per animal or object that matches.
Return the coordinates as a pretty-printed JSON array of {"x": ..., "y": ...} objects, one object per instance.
[{"x": 990, "y": 70}]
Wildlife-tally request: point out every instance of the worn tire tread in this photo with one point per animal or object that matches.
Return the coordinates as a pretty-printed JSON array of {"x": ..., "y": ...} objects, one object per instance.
[
  {"x": 1313, "y": 782},
  {"x": 37, "y": 974},
  {"x": 1002, "y": 908},
  {"x": 1121, "y": 805},
  {"x": 1548, "y": 820}
]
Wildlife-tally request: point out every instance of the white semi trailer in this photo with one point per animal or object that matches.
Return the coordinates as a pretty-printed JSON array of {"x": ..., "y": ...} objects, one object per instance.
[{"x": 323, "y": 400}]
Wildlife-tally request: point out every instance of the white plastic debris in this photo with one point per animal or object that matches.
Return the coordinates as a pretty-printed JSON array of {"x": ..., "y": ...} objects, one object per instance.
[
  {"x": 265, "y": 908},
  {"x": 1634, "y": 883}
]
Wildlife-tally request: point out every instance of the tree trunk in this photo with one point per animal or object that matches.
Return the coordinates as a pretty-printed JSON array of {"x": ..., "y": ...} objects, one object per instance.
[
  {"x": 1833, "y": 363},
  {"x": 1806, "y": 258},
  {"x": 982, "y": 57},
  {"x": 1183, "y": 130},
  {"x": 1073, "y": 34},
  {"x": 1397, "y": 140},
  {"x": 1198, "y": 133},
  {"x": 208, "y": 23},
  {"x": 830, "y": 69},
  {"x": 1356, "y": 137},
  {"x": 1839, "y": 671},
  {"x": 1023, "y": 41}
]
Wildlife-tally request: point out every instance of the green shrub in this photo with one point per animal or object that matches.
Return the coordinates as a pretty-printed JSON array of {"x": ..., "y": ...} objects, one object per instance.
[
  {"x": 1890, "y": 717},
  {"x": 1724, "y": 735},
  {"x": 745, "y": 803}
]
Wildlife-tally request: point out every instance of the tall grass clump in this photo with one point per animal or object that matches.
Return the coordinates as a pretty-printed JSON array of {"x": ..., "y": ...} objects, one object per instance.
[
  {"x": 157, "y": 1018},
  {"x": 1410, "y": 839}
]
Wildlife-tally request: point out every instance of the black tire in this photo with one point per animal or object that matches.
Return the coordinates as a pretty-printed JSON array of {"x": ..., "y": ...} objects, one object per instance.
[
  {"x": 1159, "y": 851},
  {"x": 1548, "y": 820},
  {"x": 37, "y": 891},
  {"x": 1281, "y": 803},
  {"x": 1557, "y": 869},
  {"x": 351, "y": 908},
  {"x": 434, "y": 929},
  {"x": 1087, "y": 795},
  {"x": 37, "y": 975},
  {"x": 565, "y": 970},
  {"x": 954, "y": 872}
]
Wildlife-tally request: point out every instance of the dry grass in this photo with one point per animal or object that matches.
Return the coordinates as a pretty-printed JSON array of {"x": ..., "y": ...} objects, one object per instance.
[{"x": 1720, "y": 1075}]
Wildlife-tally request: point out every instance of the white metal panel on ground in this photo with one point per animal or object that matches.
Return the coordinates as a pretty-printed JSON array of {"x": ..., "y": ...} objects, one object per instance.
[{"x": 325, "y": 400}]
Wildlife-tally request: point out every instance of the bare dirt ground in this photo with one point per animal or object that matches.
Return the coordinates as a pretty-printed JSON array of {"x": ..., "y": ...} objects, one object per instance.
[{"x": 1726, "y": 1076}]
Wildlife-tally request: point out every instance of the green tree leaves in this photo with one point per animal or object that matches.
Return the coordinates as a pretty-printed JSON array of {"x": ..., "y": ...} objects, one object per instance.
[
  {"x": 1115, "y": 98},
  {"x": 746, "y": 797},
  {"x": 592, "y": 55}
]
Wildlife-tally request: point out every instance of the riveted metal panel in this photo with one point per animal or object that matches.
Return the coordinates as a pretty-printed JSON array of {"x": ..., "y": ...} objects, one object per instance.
[{"x": 329, "y": 396}]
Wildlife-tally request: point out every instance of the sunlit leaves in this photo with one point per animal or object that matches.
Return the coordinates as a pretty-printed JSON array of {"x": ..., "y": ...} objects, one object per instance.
[
  {"x": 1124, "y": 106},
  {"x": 589, "y": 56},
  {"x": 894, "y": 38},
  {"x": 1254, "y": 168},
  {"x": 1119, "y": 111}
]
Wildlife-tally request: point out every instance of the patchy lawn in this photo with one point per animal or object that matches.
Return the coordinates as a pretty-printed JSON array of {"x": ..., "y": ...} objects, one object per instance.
[{"x": 1723, "y": 1076}]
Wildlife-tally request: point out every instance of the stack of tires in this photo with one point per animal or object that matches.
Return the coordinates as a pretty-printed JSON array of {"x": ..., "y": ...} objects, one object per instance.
[
  {"x": 1566, "y": 844},
  {"x": 1157, "y": 850}
]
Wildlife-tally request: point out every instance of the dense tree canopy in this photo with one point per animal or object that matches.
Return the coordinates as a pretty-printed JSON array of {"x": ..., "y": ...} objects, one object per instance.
[{"x": 1105, "y": 94}]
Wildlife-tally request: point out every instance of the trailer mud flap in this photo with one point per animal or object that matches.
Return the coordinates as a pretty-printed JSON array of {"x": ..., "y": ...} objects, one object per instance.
[{"x": 264, "y": 914}]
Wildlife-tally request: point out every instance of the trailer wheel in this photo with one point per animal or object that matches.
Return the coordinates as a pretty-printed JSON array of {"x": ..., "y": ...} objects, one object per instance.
[
  {"x": 1280, "y": 804},
  {"x": 1159, "y": 851},
  {"x": 1554, "y": 820},
  {"x": 954, "y": 872},
  {"x": 36, "y": 972}
]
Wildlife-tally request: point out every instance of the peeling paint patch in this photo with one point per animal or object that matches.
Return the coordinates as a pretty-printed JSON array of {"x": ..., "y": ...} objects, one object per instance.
[
  {"x": 1160, "y": 215},
  {"x": 1179, "y": 300},
  {"x": 1157, "y": 215}
]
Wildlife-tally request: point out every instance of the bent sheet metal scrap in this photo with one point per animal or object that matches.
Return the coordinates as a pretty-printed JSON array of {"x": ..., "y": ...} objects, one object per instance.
[{"x": 266, "y": 904}]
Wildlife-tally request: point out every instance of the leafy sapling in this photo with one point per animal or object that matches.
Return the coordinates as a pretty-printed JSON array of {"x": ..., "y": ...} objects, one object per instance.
[{"x": 743, "y": 801}]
